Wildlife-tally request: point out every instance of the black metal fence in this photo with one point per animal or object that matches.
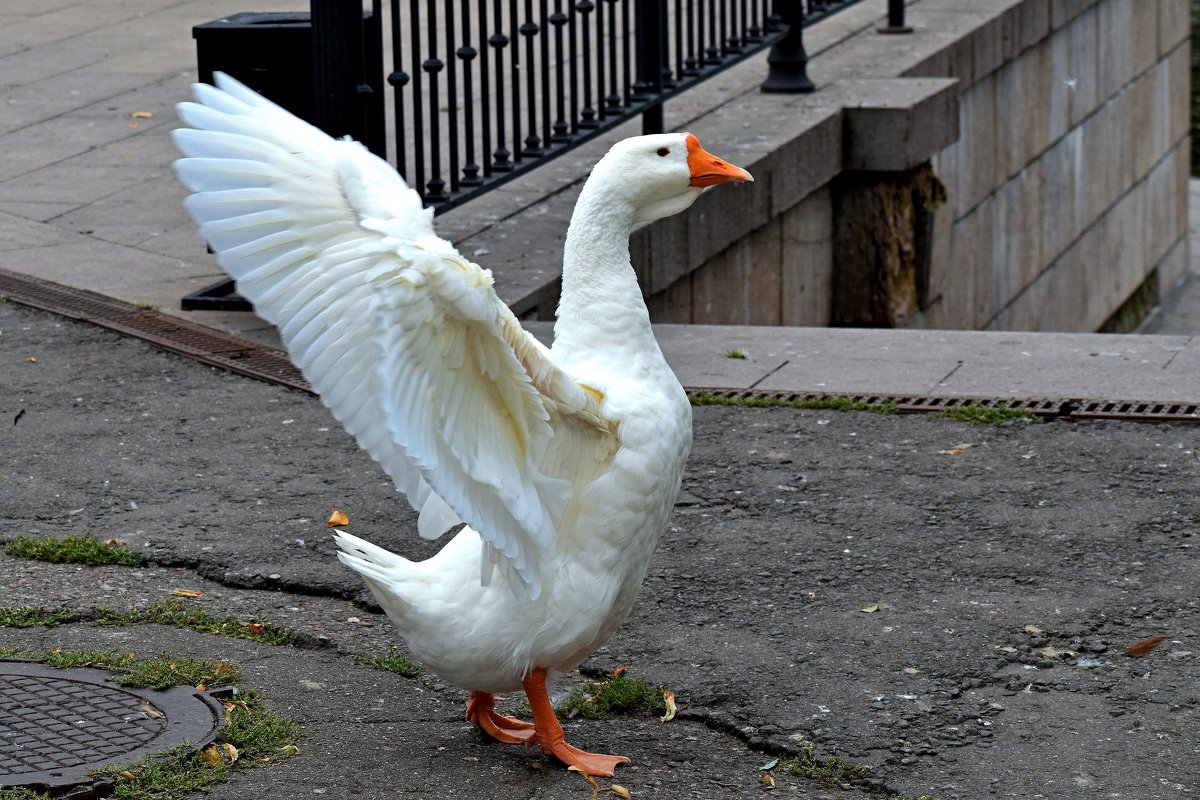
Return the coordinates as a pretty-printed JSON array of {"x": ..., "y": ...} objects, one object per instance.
[{"x": 484, "y": 89}]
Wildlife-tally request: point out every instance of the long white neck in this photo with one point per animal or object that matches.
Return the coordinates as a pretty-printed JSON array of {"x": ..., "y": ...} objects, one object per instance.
[{"x": 601, "y": 305}]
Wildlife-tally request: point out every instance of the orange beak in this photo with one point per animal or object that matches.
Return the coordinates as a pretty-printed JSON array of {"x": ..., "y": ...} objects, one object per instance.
[{"x": 708, "y": 170}]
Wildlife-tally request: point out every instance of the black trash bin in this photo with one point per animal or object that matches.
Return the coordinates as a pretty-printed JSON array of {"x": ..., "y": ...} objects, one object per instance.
[{"x": 272, "y": 54}]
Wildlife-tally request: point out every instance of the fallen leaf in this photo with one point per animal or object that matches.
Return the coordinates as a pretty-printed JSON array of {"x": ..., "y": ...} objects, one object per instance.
[
  {"x": 290, "y": 749},
  {"x": 222, "y": 667},
  {"x": 1032, "y": 630},
  {"x": 669, "y": 699},
  {"x": 150, "y": 710},
  {"x": 1007, "y": 649},
  {"x": 127, "y": 775},
  {"x": 202, "y": 687},
  {"x": 1143, "y": 647},
  {"x": 588, "y": 778},
  {"x": 871, "y": 609},
  {"x": 255, "y": 627},
  {"x": 619, "y": 671},
  {"x": 142, "y": 114},
  {"x": 187, "y": 593},
  {"x": 230, "y": 751},
  {"x": 1054, "y": 652},
  {"x": 337, "y": 519},
  {"x": 911, "y": 671},
  {"x": 768, "y": 781},
  {"x": 230, "y": 705},
  {"x": 18, "y": 417},
  {"x": 770, "y": 765},
  {"x": 32, "y": 359},
  {"x": 953, "y": 451},
  {"x": 212, "y": 756},
  {"x": 620, "y": 791},
  {"x": 111, "y": 543}
]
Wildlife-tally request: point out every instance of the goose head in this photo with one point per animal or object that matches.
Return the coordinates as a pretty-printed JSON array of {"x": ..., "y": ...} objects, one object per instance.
[{"x": 662, "y": 174}]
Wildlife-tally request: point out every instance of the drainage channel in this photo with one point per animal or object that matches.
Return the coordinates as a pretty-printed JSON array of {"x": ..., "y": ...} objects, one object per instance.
[{"x": 267, "y": 364}]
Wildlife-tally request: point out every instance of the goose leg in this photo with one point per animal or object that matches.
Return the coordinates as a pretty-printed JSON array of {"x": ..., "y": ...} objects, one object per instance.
[
  {"x": 481, "y": 709},
  {"x": 550, "y": 734}
]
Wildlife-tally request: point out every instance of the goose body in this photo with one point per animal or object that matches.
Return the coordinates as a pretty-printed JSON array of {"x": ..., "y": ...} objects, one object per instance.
[{"x": 564, "y": 463}]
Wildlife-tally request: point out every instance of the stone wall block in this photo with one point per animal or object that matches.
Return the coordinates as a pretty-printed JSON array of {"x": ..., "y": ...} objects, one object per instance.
[
  {"x": 1143, "y": 36},
  {"x": 974, "y": 240},
  {"x": 1114, "y": 23},
  {"x": 1117, "y": 265},
  {"x": 1174, "y": 23},
  {"x": 1022, "y": 93},
  {"x": 1100, "y": 174},
  {"x": 793, "y": 172},
  {"x": 672, "y": 305},
  {"x": 1020, "y": 234},
  {"x": 1057, "y": 177},
  {"x": 1179, "y": 79},
  {"x": 763, "y": 268},
  {"x": 1059, "y": 76},
  {"x": 1173, "y": 269},
  {"x": 1033, "y": 23},
  {"x": 977, "y": 163},
  {"x": 1139, "y": 127},
  {"x": 717, "y": 289},
  {"x": 897, "y": 124},
  {"x": 806, "y": 259},
  {"x": 1164, "y": 225},
  {"x": 1062, "y": 12},
  {"x": 1082, "y": 81},
  {"x": 668, "y": 252}
]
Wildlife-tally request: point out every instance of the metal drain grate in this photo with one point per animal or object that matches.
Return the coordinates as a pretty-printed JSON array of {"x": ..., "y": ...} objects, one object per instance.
[
  {"x": 264, "y": 363},
  {"x": 57, "y": 725}
]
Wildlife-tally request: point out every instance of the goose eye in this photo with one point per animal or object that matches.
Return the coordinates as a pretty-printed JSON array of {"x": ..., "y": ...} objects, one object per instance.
[{"x": 664, "y": 151}]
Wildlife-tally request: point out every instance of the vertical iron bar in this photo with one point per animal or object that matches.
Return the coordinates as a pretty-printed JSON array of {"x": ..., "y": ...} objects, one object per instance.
[
  {"x": 626, "y": 53},
  {"x": 432, "y": 66},
  {"x": 573, "y": 23},
  {"x": 470, "y": 170},
  {"x": 501, "y": 157},
  {"x": 485, "y": 94},
  {"x": 398, "y": 79},
  {"x": 561, "y": 128},
  {"x": 336, "y": 62},
  {"x": 452, "y": 94},
  {"x": 530, "y": 29},
  {"x": 544, "y": 71},
  {"x": 600, "y": 4},
  {"x": 787, "y": 61},
  {"x": 648, "y": 38},
  {"x": 419, "y": 134},
  {"x": 587, "y": 117},
  {"x": 690, "y": 61},
  {"x": 515, "y": 81},
  {"x": 612, "y": 100},
  {"x": 678, "y": 40}
]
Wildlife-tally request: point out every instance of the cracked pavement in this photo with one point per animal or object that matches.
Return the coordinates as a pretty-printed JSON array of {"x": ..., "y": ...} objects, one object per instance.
[{"x": 945, "y": 604}]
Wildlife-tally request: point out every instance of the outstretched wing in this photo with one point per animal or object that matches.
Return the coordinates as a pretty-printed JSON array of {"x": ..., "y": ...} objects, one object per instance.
[{"x": 404, "y": 340}]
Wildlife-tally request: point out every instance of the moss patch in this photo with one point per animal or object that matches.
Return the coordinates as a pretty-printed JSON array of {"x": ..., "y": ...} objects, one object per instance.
[
  {"x": 86, "y": 549},
  {"x": 979, "y": 414},
  {"x": 613, "y": 696},
  {"x": 831, "y": 772},
  {"x": 392, "y": 661},
  {"x": 31, "y": 617},
  {"x": 175, "y": 612}
]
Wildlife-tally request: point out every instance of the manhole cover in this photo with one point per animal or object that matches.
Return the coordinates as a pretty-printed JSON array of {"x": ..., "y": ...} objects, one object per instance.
[{"x": 57, "y": 724}]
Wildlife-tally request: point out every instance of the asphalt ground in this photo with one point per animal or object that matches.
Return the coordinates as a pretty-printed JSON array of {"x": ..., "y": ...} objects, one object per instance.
[{"x": 946, "y": 604}]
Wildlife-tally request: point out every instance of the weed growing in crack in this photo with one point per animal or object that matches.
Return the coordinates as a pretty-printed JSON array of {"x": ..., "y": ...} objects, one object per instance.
[
  {"x": 392, "y": 661},
  {"x": 612, "y": 696},
  {"x": 978, "y": 414},
  {"x": 32, "y": 617},
  {"x": 174, "y": 612},
  {"x": 832, "y": 772},
  {"x": 86, "y": 549},
  {"x": 817, "y": 402}
]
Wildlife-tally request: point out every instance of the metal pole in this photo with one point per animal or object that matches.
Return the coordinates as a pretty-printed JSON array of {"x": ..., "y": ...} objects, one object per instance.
[
  {"x": 336, "y": 63},
  {"x": 787, "y": 60},
  {"x": 648, "y": 36},
  {"x": 895, "y": 20}
]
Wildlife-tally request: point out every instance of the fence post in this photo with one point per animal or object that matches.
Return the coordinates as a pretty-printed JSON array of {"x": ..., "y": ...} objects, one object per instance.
[
  {"x": 787, "y": 61},
  {"x": 648, "y": 33},
  {"x": 336, "y": 63},
  {"x": 895, "y": 18}
]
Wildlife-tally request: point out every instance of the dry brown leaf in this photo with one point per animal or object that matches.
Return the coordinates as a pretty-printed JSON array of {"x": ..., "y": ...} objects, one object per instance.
[
  {"x": 669, "y": 699},
  {"x": 953, "y": 451},
  {"x": 337, "y": 519},
  {"x": 127, "y": 775},
  {"x": 1143, "y": 647},
  {"x": 212, "y": 756},
  {"x": 290, "y": 749},
  {"x": 186, "y": 593},
  {"x": 768, "y": 781},
  {"x": 1032, "y": 630},
  {"x": 222, "y": 667},
  {"x": 32, "y": 359},
  {"x": 142, "y": 114},
  {"x": 230, "y": 705},
  {"x": 255, "y": 627},
  {"x": 619, "y": 671},
  {"x": 871, "y": 609},
  {"x": 620, "y": 791},
  {"x": 230, "y": 751}
]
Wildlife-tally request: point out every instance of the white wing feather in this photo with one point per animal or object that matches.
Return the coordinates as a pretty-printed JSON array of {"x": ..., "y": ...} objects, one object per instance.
[{"x": 404, "y": 340}]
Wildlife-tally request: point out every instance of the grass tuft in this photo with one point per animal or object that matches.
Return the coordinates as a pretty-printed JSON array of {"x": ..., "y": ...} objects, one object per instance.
[
  {"x": 832, "y": 772},
  {"x": 734, "y": 353},
  {"x": 86, "y": 549},
  {"x": 392, "y": 661},
  {"x": 31, "y": 617},
  {"x": 617, "y": 695},
  {"x": 174, "y": 612},
  {"x": 979, "y": 414},
  {"x": 818, "y": 402}
]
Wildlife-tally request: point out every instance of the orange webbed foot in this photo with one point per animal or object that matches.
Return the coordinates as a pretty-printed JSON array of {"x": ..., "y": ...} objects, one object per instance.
[
  {"x": 481, "y": 709},
  {"x": 550, "y": 733}
]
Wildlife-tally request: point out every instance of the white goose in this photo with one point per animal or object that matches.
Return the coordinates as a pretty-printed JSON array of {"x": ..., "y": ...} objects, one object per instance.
[{"x": 564, "y": 463}]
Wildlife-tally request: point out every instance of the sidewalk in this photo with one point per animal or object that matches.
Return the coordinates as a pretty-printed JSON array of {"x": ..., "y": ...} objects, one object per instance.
[{"x": 88, "y": 200}]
